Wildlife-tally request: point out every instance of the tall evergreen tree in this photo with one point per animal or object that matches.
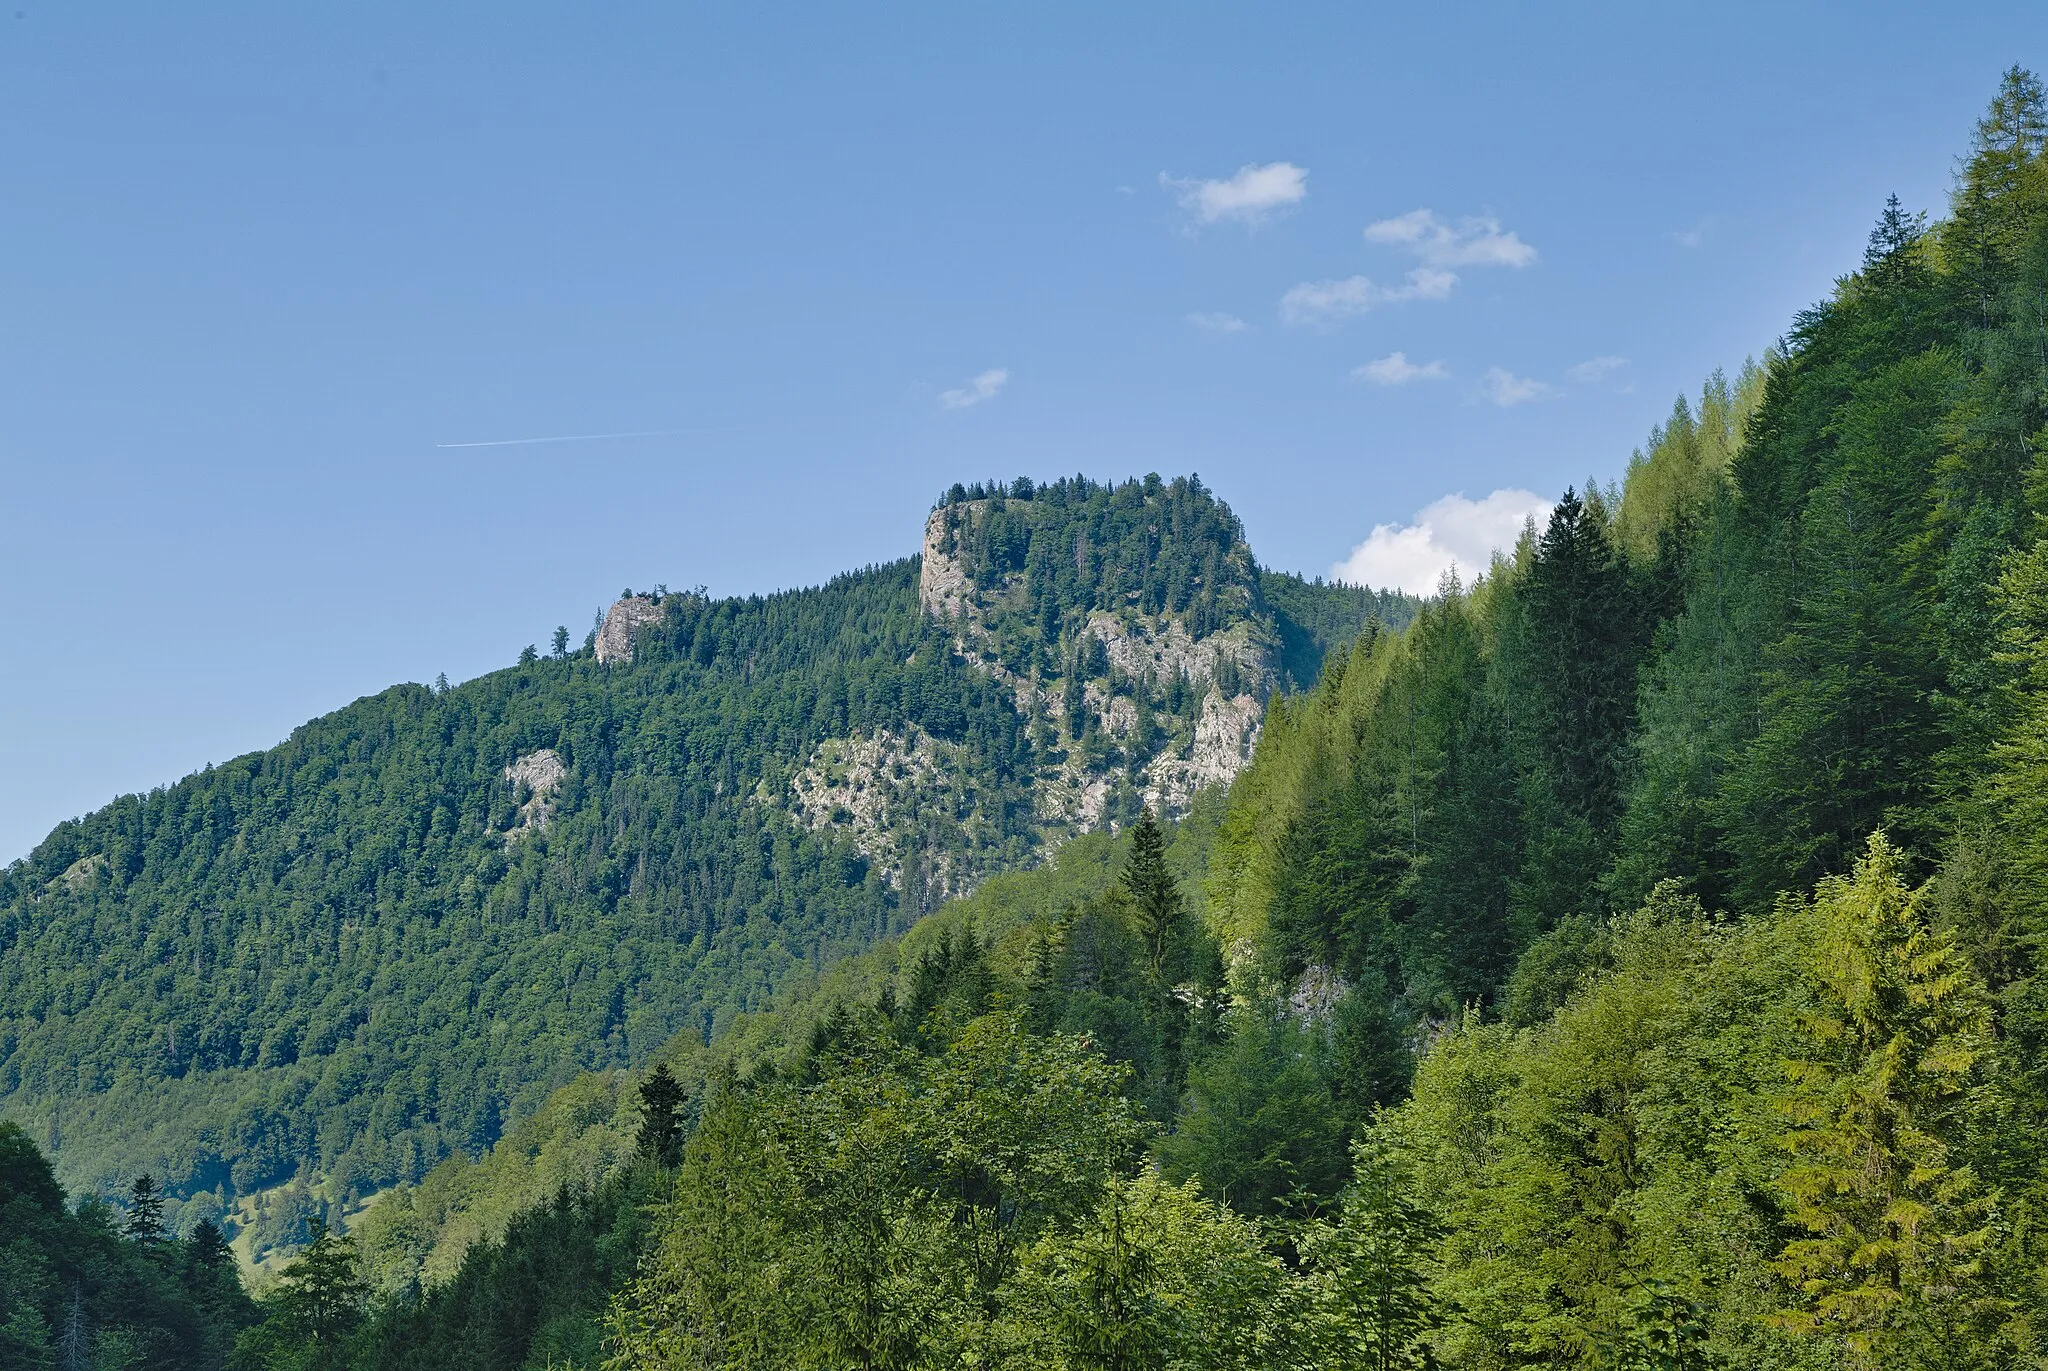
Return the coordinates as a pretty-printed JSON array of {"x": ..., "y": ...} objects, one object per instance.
[
  {"x": 1897, "y": 1224},
  {"x": 145, "y": 1221},
  {"x": 1372, "y": 1268},
  {"x": 1154, "y": 894},
  {"x": 660, "y": 1139}
]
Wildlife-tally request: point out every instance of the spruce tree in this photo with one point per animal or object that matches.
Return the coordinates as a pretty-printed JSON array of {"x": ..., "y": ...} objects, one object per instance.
[
  {"x": 1114, "y": 1327},
  {"x": 1155, "y": 897},
  {"x": 145, "y": 1221},
  {"x": 1371, "y": 1270},
  {"x": 661, "y": 1131},
  {"x": 1896, "y": 1224},
  {"x": 2002, "y": 189}
]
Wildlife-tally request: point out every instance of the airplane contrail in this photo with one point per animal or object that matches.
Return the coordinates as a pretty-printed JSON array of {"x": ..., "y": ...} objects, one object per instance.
[{"x": 590, "y": 437}]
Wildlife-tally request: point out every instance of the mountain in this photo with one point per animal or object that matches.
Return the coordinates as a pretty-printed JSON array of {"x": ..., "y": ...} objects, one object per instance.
[
  {"x": 335, "y": 962},
  {"x": 1638, "y": 960}
]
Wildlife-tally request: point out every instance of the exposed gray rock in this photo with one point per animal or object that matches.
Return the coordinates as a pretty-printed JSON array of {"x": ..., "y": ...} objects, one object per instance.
[
  {"x": 534, "y": 778},
  {"x": 621, "y": 622},
  {"x": 1140, "y": 646},
  {"x": 942, "y": 585},
  {"x": 1317, "y": 992},
  {"x": 877, "y": 789},
  {"x": 1226, "y": 732}
]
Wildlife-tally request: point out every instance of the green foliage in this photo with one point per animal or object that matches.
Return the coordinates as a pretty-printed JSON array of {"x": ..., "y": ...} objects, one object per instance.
[
  {"x": 329, "y": 966},
  {"x": 1549, "y": 991},
  {"x": 74, "y": 1292},
  {"x": 1897, "y": 1228},
  {"x": 309, "y": 1316},
  {"x": 872, "y": 1216},
  {"x": 1260, "y": 1127},
  {"x": 660, "y": 1139},
  {"x": 1372, "y": 1268}
]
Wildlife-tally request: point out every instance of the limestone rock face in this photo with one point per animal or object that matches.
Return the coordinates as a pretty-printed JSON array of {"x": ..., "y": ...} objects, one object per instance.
[
  {"x": 889, "y": 793},
  {"x": 621, "y": 622},
  {"x": 1226, "y": 732},
  {"x": 942, "y": 586},
  {"x": 534, "y": 778},
  {"x": 1220, "y": 734}
]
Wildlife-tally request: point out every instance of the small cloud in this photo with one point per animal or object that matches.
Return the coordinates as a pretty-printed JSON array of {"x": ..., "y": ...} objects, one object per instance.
[
  {"x": 983, "y": 387},
  {"x": 1395, "y": 369},
  {"x": 1216, "y": 321},
  {"x": 1694, "y": 236},
  {"x": 1471, "y": 242},
  {"x": 1453, "y": 534},
  {"x": 1594, "y": 370},
  {"x": 1319, "y": 302},
  {"x": 1504, "y": 388},
  {"x": 1254, "y": 194}
]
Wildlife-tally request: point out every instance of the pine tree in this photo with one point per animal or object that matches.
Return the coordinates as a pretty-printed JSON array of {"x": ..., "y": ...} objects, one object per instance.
[
  {"x": 145, "y": 1221},
  {"x": 323, "y": 1294},
  {"x": 207, "y": 1253},
  {"x": 661, "y": 1131},
  {"x": 1897, "y": 1224}
]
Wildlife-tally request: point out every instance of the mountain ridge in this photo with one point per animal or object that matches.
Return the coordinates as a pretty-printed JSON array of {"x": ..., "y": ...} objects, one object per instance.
[{"x": 335, "y": 961}]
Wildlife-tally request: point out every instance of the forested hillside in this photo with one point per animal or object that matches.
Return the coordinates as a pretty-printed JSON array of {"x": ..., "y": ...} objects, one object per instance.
[
  {"x": 1634, "y": 962},
  {"x": 315, "y": 971}
]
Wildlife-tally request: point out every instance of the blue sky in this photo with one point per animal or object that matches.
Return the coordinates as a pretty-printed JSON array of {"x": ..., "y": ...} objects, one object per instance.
[{"x": 261, "y": 263}]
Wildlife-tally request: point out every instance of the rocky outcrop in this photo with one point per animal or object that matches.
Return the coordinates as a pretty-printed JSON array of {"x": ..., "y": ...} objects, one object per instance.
[
  {"x": 621, "y": 622},
  {"x": 1226, "y": 732},
  {"x": 943, "y": 587},
  {"x": 534, "y": 778},
  {"x": 1230, "y": 673},
  {"x": 1316, "y": 993},
  {"x": 1159, "y": 646},
  {"x": 80, "y": 873},
  {"x": 884, "y": 792}
]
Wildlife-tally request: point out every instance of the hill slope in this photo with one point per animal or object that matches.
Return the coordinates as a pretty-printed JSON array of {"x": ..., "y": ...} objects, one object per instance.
[
  {"x": 1637, "y": 961},
  {"x": 348, "y": 956}
]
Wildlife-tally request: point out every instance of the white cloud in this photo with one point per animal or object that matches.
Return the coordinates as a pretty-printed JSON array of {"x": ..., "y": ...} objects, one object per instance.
[
  {"x": 1395, "y": 369},
  {"x": 1216, "y": 321},
  {"x": 1594, "y": 370},
  {"x": 1504, "y": 388},
  {"x": 1471, "y": 242},
  {"x": 1255, "y": 193},
  {"x": 1316, "y": 302},
  {"x": 1451, "y": 534},
  {"x": 982, "y": 387}
]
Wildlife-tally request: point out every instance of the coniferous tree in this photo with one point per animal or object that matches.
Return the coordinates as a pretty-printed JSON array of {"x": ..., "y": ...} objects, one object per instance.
[
  {"x": 660, "y": 1139},
  {"x": 1114, "y": 1325},
  {"x": 1897, "y": 1223},
  {"x": 2002, "y": 189},
  {"x": 1154, "y": 894},
  {"x": 144, "y": 1223},
  {"x": 1371, "y": 1269}
]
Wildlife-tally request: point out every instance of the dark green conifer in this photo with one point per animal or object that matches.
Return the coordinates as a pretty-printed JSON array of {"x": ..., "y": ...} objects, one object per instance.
[
  {"x": 145, "y": 1221},
  {"x": 661, "y": 1130},
  {"x": 1155, "y": 895}
]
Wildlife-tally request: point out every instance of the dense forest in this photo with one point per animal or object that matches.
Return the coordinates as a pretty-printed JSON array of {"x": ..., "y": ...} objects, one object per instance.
[
  {"x": 290, "y": 981},
  {"x": 1635, "y": 961}
]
